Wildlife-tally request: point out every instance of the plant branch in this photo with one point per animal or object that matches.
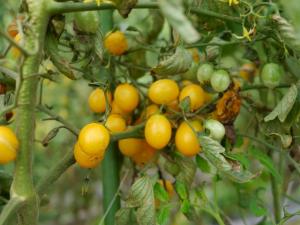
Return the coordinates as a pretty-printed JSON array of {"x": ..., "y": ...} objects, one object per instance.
[
  {"x": 276, "y": 199},
  {"x": 11, "y": 209},
  {"x": 287, "y": 217},
  {"x": 58, "y": 118},
  {"x": 55, "y": 172},
  {"x": 10, "y": 73},
  {"x": 15, "y": 44},
  {"x": 67, "y": 7}
]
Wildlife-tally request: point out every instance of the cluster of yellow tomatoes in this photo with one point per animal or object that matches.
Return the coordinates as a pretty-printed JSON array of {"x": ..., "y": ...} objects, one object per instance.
[{"x": 164, "y": 94}]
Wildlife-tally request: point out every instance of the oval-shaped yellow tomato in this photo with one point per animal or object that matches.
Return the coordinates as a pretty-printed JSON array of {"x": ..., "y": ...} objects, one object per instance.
[
  {"x": 145, "y": 156},
  {"x": 84, "y": 160},
  {"x": 126, "y": 97},
  {"x": 93, "y": 139},
  {"x": 151, "y": 110},
  {"x": 97, "y": 100},
  {"x": 115, "y": 109},
  {"x": 116, "y": 43},
  {"x": 196, "y": 95},
  {"x": 158, "y": 131},
  {"x": 115, "y": 123},
  {"x": 131, "y": 146},
  {"x": 163, "y": 91},
  {"x": 9, "y": 145},
  {"x": 186, "y": 140}
]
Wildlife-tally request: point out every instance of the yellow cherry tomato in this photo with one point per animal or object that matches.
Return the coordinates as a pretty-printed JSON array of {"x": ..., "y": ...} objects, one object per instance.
[
  {"x": 84, "y": 160},
  {"x": 186, "y": 140},
  {"x": 9, "y": 145},
  {"x": 131, "y": 146},
  {"x": 93, "y": 139},
  {"x": 196, "y": 95},
  {"x": 116, "y": 43},
  {"x": 151, "y": 110},
  {"x": 158, "y": 131},
  {"x": 166, "y": 184},
  {"x": 126, "y": 97},
  {"x": 145, "y": 156},
  {"x": 185, "y": 83},
  {"x": 115, "y": 123},
  {"x": 115, "y": 109},
  {"x": 174, "y": 105},
  {"x": 97, "y": 100},
  {"x": 163, "y": 91}
]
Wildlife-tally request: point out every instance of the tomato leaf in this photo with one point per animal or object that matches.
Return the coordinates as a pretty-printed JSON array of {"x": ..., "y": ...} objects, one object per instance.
[
  {"x": 293, "y": 65},
  {"x": 125, "y": 216},
  {"x": 174, "y": 12},
  {"x": 240, "y": 176},
  {"x": 181, "y": 190},
  {"x": 241, "y": 157},
  {"x": 187, "y": 170},
  {"x": 160, "y": 193},
  {"x": 163, "y": 215},
  {"x": 284, "y": 106},
  {"x": 202, "y": 164},
  {"x": 178, "y": 63},
  {"x": 266, "y": 161}
]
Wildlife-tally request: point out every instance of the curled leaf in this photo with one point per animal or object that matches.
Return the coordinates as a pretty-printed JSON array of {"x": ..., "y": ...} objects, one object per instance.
[
  {"x": 178, "y": 63},
  {"x": 174, "y": 13},
  {"x": 284, "y": 106}
]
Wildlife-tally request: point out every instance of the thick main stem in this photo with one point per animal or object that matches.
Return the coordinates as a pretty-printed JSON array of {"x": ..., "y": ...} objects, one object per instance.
[
  {"x": 22, "y": 186},
  {"x": 110, "y": 164}
]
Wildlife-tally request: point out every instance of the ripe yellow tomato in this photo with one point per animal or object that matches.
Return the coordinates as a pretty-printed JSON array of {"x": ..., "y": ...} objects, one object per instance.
[
  {"x": 131, "y": 146},
  {"x": 185, "y": 83},
  {"x": 93, "y": 139},
  {"x": 174, "y": 105},
  {"x": 196, "y": 95},
  {"x": 9, "y": 145},
  {"x": 84, "y": 160},
  {"x": 151, "y": 110},
  {"x": 158, "y": 131},
  {"x": 116, "y": 43},
  {"x": 115, "y": 109},
  {"x": 163, "y": 91},
  {"x": 186, "y": 140},
  {"x": 168, "y": 186},
  {"x": 126, "y": 97},
  {"x": 97, "y": 100},
  {"x": 145, "y": 156},
  {"x": 115, "y": 123}
]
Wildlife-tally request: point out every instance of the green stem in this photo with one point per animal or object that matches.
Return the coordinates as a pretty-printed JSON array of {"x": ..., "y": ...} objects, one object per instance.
[
  {"x": 66, "y": 7},
  {"x": 252, "y": 87},
  {"x": 111, "y": 163},
  {"x": 276, "y": 199},
  {"x": 55, "y": 172},
  {"x": 10, "y": 209}
]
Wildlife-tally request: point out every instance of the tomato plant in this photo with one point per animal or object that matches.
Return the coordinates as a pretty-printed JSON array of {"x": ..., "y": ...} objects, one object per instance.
[{"x": 183, "y": 112}]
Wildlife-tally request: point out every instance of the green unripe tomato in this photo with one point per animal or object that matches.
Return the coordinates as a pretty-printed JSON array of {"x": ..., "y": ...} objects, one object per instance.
[
  {"x": 204, "y": 73},
  {"x": 191, "y": 74},
  {"x": 271, "y": 75},
  {"x": 87, "y": 21},
  {"x": 228, "y": 62},
  {"x": 220, "y": 80},
  {"x": 215, "y": 128}
]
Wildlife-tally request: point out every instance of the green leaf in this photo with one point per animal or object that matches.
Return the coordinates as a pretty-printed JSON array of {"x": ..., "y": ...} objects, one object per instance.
[
  {"x": 241, "y": 157},
  {"x": 125, "y": 216},
  {"x": 160, "y": 193},
  {"x": 185, "y": 206},
  {"x": 163, "y": 215},
  {"x": 174, "y": 12},
  {"x": 257, "y": 207},
  {"x": 266, "y": 161},
  {"x": 212, "y": 151},
  {"x": 141, "y": 196},
  {"x": 181, "y": 190},
  {"x": 293, "y": 65},
  {"x": 184, "y": 104},
  {"x": 178, "y": 63},
  {"x": 239, "y": 176},
  {"x": 292, "y": 8},
  {"x": 202, "y": 164},
  {"x": 284, "y": 106},
  {"x": 187, "y": 170}
]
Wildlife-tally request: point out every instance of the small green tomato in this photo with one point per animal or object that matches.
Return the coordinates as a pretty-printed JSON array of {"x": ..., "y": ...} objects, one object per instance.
[
  {"x": 204, "y": 73},
  {"x": 271, "y": 75},
  {"x": 220, "y": 80},
  {"x": 215, "y": 128}
]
